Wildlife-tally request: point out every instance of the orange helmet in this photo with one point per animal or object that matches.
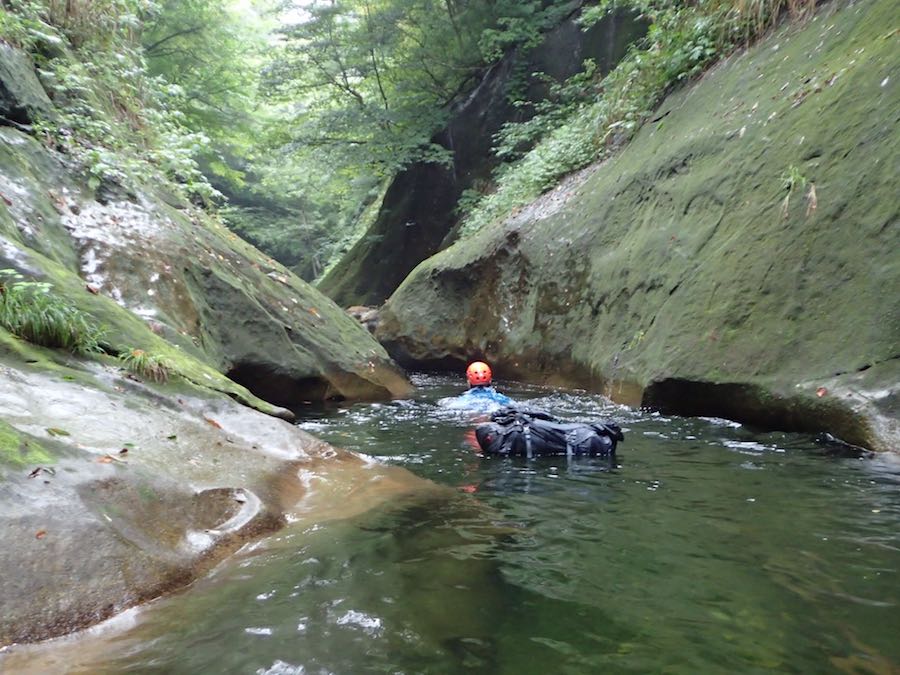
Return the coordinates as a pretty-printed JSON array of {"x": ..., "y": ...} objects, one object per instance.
[{"x": 478, "y": 373}]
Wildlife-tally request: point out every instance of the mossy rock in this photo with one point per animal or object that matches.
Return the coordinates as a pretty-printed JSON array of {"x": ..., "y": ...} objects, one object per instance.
[
  {"x": 22, "y": 98},
  {"x": 418, "y": 215},
  {"x": 685, "y": 259},
  {"x": 176, "y": 283},
  {"x": 18, "y": 451}
]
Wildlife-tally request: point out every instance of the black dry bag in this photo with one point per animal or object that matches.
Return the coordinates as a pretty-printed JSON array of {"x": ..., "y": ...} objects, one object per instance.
[{"x": 535, "y": 433}]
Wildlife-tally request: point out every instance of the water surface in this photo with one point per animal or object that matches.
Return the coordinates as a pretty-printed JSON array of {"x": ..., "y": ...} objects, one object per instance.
[{"x": 709, "y": 547}]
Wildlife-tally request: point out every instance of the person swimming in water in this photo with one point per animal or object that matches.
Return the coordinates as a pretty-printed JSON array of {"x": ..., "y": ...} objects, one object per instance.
[
  {"x": 480, "y": 396},
  {"x": 479, "y": 376}
]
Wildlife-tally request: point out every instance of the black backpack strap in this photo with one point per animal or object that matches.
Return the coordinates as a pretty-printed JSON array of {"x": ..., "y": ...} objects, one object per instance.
[
  {"x": 527, "y": 429},
  {"x": 570, "y": 449}
]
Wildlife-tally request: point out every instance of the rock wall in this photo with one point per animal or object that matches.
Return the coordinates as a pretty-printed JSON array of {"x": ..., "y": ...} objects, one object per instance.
[
  {"x": 418, "y": 211},
  {"x": 115, "y": 490},
  {"x": 685, "y": 273},
  {"x": 165, "y": 277}
]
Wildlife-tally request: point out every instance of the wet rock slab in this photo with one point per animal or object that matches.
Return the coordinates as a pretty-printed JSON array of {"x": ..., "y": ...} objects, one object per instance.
[{"x": 113, "y": 492}]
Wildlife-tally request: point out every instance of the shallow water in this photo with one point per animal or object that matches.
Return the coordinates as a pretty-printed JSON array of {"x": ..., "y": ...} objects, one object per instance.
[{"x": 708, "y": 548}]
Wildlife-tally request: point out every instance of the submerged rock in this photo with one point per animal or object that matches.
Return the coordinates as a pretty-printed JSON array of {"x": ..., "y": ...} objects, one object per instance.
[{"x": 687, "y": 273}]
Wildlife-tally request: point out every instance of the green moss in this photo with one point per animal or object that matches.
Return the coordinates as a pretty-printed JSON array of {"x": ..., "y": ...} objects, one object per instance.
[
  {"x": 678, "y": 256},
  {"x": 18, "y": 451}
]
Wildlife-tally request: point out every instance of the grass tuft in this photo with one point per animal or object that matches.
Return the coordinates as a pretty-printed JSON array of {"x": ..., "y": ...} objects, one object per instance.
[
  {"x": 149, "y": 366},
  {"x": 31, "y": 311}
]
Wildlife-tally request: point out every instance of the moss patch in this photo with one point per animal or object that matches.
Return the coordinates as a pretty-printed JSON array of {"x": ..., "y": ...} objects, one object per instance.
[{"x": 18, "y": 451}]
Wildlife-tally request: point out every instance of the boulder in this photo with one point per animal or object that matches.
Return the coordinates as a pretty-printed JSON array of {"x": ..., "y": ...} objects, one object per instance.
[
  {"x": 737, "y": 259},
  {"x": 367, "y": 316},
  {"x": 167, "y": 276},
  {"x": 113, "y": 491},
  {"x": 418, "y": 213},
  {"x": 22, "y": 98}
]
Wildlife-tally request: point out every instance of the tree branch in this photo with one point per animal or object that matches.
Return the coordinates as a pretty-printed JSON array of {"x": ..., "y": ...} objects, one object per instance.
[{"x": 178, "y": 33}]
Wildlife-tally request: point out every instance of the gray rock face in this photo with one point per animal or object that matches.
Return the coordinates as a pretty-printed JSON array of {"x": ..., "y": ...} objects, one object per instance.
[
  {"x": 22, "y": 98},
  {"x": 417, "y": 213},
  {"x": 113, "y": 492},
  {"x": 112, "y": 495},
  {"x": 684, "y": 275}
]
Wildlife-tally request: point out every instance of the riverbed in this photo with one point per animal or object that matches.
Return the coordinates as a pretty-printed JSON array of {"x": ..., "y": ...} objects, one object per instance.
[{"x": 705, "y": 547}]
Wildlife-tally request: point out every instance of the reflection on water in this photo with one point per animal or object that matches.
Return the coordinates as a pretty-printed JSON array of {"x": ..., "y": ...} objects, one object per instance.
[{"x": 709, "y": 548}]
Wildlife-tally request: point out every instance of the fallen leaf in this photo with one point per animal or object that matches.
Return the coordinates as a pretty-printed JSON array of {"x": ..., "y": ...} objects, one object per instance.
[
  {"x": 40, "y": 534},
  {"x": 212, "y": 423},
  {"x": 123, "y": 451},
  {"x": 53, "y": 431},
  {"x": 106, "y": 459},
  {"x": 93, "y": 288},
  {"x": 821, "y": 391},
  {"x": 172, "y": 437}
]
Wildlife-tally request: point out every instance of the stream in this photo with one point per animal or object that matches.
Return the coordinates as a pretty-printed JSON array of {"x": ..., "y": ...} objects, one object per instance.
[{"x": 709, "y": 547}]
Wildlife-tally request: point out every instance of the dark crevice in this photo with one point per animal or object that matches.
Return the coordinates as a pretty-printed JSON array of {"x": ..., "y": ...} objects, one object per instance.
[
  {"x": 282, "y": 389},
  {"x": 756, "y": 407},
  {"x": 17, "y": 121},
  {"x": 864, "y": 367},
  {"x": 445, "y": 364}
]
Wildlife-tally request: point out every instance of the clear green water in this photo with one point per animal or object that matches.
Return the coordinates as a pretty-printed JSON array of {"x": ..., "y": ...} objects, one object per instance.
[{"x": 708, "y": 549}]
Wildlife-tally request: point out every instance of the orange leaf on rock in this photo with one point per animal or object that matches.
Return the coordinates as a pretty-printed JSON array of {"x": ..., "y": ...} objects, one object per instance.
[
  {"x": 821, "y": 391},
  {"x": 212, "y": 423},
  {"x": 40, "y": 534}
]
